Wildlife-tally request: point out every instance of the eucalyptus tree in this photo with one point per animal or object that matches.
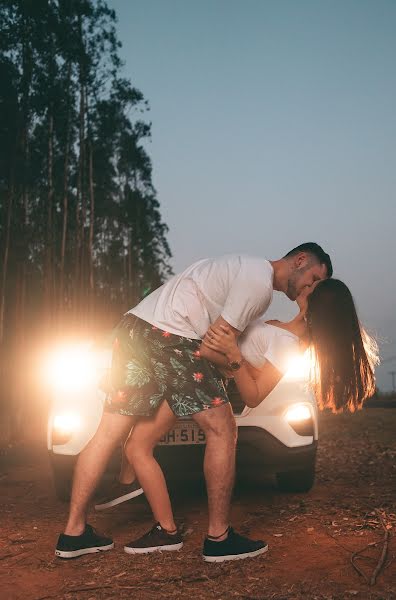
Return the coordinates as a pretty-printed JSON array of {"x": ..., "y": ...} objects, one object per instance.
[{"x": 81, "y": 231}]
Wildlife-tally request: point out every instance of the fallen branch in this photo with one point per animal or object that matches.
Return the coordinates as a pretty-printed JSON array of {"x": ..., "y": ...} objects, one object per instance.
[
  {"x": 381, "y": 561},
  {"x": 356, "y": 555},
  {"x": 382, "y": 558}
]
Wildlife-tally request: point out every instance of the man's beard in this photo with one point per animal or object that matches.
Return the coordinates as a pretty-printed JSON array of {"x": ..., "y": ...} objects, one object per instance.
[{"x": 291, "y": 291}]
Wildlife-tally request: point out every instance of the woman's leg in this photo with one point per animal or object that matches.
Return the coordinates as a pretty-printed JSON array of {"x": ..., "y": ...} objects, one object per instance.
[
  {"x": 125, "y": 487},
  {"x": 139, "y": 451},
  {"x": 127, "y": 472}
]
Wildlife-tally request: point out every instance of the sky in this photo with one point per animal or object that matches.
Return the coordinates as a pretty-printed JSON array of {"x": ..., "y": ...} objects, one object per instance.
[{"x": 274, "y": 123}]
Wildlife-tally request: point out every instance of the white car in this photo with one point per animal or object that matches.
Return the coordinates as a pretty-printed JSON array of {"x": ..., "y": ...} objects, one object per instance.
[{"x": 279, "y": 436}]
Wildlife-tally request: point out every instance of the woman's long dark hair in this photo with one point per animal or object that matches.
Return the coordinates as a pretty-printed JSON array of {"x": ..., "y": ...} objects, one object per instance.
[{"x": 345, "y": 354}]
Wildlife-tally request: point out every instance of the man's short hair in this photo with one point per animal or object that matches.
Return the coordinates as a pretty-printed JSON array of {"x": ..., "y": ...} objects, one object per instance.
[{"x": 317, "y": 251}]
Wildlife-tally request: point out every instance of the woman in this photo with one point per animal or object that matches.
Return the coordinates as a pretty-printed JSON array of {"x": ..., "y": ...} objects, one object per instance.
[
  {"x": 327, "y": 323},
  {"x": 344, "y": 376}
]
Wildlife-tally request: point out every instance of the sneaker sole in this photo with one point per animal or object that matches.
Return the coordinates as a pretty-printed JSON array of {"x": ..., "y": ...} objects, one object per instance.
[
  {"x": 119, "y": 500},
  {"x": 218, "y": 559},
  {"x": 170, "y": 548},
  {"x": 82, "y": 551}
]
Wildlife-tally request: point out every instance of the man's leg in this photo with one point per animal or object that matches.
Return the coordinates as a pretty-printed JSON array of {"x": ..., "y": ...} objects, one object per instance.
[
  {"x": 222, "y": 542},
  {"x": 219, "y": 464},
  {"x": 91, "y": 465},
  {"x": 139, "y": 451}
]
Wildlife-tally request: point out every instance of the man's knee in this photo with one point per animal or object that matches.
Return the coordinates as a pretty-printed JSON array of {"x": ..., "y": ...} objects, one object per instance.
[
  {"x": 231, "y": 430},
  {"x": 114, "y": 424},
  {"x": 111, "y": 431},
  {"x": 218, "y": 422}
]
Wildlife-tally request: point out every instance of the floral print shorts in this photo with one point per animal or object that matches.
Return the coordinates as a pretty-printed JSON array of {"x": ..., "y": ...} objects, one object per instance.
[{"x": 150, "y": 365}]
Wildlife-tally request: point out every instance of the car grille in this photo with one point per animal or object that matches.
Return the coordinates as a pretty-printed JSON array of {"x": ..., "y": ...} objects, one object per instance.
[{"x": 234, "y": 397}]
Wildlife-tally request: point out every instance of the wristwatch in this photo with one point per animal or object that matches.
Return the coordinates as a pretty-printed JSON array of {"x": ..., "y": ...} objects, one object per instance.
[{"x": 235, "y": 365}]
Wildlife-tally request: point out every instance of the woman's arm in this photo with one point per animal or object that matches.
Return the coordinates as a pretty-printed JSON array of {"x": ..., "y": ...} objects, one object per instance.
[{"x": 252, "y": 391}]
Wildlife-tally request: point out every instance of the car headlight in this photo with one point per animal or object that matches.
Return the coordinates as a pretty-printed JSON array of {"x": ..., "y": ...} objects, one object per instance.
[
  {"x": 299, "y": 417},
  {"x": 64, "y": 425},
  {"x": 297, "y": 413},
  {"x": 70, "y": 368}
]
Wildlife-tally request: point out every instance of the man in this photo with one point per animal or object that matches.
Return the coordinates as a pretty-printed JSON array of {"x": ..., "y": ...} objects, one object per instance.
[{"x": 158, "y": 355}]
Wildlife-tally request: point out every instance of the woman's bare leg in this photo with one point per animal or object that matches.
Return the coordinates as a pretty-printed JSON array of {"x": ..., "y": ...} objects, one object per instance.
[
  {"x": 127, "y": 472},
  {"x": 139, "y": 451}
]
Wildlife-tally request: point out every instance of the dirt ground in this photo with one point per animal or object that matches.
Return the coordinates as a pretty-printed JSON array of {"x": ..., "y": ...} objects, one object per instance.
[{"x": 312, "y": 536}]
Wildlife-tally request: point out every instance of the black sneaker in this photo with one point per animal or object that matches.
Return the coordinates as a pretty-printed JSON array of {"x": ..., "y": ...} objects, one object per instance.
[
  {"x": 157, "y": 539},
  {"x": 119, "y": 492},
  {"x": 234, "y": 547},
  {"x": 71, "y": 546}
]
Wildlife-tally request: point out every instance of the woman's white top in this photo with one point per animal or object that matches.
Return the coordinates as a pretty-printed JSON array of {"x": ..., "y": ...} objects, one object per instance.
[{"x": 263, "y": 342}]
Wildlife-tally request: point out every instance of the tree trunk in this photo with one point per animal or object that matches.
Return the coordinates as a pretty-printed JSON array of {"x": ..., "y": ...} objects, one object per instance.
[
  {"x": 79, "y": 219},
  {"x": 48, "y": 270},
  {"x": 80, "y": 201},
  {"x": 65, "y": 200},
  {"x": 10, "y": 198},
  {"x": 91, "y": 232}
]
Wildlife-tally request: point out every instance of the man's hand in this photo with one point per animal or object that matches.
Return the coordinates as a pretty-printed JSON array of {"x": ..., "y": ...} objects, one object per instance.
[
  {"x": 217, "y": 357},
  {"x": 222, "y": 339}
]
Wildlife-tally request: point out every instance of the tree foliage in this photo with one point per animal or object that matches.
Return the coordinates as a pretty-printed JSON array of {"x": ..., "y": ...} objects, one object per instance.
[{"x": 82, "y": 238}]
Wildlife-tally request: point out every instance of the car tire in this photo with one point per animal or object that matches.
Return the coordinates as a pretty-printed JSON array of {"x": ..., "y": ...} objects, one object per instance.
[
  {"x": 297, "y": 481},
  {"x": 62, "y": 472}
]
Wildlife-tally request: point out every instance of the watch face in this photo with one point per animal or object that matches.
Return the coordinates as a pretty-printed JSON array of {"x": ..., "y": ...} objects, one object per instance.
[{"x": 234, "y": 366}]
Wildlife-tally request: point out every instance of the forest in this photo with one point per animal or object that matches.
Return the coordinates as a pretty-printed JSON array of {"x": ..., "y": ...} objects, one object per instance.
[{"x": 82, "y": 238}]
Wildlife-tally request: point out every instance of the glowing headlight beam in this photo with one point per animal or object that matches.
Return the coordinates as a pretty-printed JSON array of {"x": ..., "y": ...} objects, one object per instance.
[
  {"x": 66, "y": 423},
  {"x": 297, "y": 413},
  {"x": 70, "y": 368}
]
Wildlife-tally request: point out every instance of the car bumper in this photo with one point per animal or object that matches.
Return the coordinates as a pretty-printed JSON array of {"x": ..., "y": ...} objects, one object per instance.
[
  {"x": 259, "y": 448},
  {"x": 256, "y": 447}
]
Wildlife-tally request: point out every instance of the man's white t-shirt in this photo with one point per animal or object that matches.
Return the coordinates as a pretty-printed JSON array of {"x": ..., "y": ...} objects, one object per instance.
[
  {"x": 239, "y": 288},
  {"x": 263, "y": 342}
]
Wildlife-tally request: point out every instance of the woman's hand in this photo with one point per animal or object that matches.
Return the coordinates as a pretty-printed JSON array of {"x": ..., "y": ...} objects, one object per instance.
[{"x": 222, "y": 339}]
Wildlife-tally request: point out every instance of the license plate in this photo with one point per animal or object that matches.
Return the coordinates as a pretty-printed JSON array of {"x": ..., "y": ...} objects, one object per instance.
[{"x": 183, "y": 433}]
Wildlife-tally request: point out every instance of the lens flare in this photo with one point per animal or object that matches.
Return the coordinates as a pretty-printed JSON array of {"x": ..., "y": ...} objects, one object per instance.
[
  {"x": 301, "y": 367},
  {"x": 70, "y": 368}
]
